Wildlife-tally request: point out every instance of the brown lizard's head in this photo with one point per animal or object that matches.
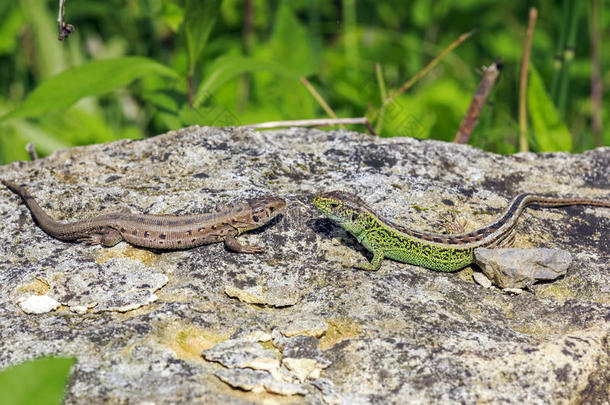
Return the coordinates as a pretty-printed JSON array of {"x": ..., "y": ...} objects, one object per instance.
[
  {"x": 264, "y": 209},
  {"x": 346, "y": 209}
]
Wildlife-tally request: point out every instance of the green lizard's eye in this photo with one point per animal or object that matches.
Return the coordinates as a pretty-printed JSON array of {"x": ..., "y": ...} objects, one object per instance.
[
  {"x": 334, "y": 205},
  {"x": 354, "y": 216}
]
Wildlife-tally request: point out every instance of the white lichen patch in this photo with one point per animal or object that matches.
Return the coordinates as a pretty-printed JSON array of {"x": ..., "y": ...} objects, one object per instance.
[
  {"x": 305, "y": 326},
  {"x": 258, "y": 336},
  {"x": 273, "y": 296},
  {"x": 244, "y": 378},
  {"x": 80, "y": 309},
  {"x": 38, "y": 304},
  {"x": 284, "y": 388},
  {"x": 115, "y": 285},
  {"x": 302, "y": 368},
  {"x": 240, "y": 353}
]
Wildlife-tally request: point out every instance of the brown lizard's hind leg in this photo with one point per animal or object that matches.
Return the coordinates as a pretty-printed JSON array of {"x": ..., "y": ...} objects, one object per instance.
[
  {"x": 107, "y": 238},
  {"x": 92, "y": 239},
  {"x": 232, "y": 244},
  {"x": 110, "y": 238}
]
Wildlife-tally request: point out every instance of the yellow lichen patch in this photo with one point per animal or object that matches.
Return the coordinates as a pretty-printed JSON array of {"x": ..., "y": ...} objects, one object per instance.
[
  {"x": 188, "y": 341},
  {"x": 270, "y": 346},
  {"x": 37, "y": 286},
  {"x": 539, "y": 330},
  {"x": 501, "y": 302},
  {"x": 558, "y": 291},
  {"x": 146, "y": 257},
  {"x": 339, "y": 329},
  {"x": 466, "y": 274}
]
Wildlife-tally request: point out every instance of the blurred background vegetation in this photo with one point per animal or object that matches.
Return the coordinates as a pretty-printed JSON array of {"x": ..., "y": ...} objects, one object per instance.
[{"x": 138, "y": 68}]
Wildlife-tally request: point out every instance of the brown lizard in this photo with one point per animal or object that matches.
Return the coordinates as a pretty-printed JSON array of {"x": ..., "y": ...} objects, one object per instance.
[{"x": 162, "y": 231}]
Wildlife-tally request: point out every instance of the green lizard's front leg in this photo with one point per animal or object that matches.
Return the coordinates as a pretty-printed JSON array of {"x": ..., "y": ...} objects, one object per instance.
[{"x": 375, "y": 263}]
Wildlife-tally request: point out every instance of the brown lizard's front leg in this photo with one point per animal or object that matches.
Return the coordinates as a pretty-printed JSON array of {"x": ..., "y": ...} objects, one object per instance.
[{"x": 233, "y": 244}]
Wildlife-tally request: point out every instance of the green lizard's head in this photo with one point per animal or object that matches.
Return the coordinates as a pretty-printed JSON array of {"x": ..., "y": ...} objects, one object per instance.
[{"x": 346, "y": 209}]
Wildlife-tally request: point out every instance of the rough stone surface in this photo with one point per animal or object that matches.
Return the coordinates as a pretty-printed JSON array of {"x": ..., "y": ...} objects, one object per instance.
[
  {"x": 402, "y": 334},
  {"x": 517, "y": 268}
]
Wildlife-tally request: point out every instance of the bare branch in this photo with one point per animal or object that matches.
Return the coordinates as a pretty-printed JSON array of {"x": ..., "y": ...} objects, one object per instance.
[
  {"x": 490, "y": 75},
  {"x": 64, "y": 28},
  {"x": 320, "y": 99},
  {"x": 31, "y": 150},
  {"x": 324, "y": 122}
]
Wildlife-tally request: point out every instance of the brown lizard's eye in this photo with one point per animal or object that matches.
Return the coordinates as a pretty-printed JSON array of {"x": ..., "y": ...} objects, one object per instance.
[{"x": 255, "y": 218}]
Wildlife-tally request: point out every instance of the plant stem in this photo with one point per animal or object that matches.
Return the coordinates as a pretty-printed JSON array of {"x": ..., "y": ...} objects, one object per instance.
[
  {"x": 383, "y": 94},
  {"x": 428, "y": 67},
  {"x": 350, "y": 35},
  {"x": 523, "y": 80},
  {"x": 320, "y": 100},
  {"x": 243, "y": 87},
  {"x": 568, "y": 56},
  {"x": 596, "y": 74},
  {"x": 564, "y": 23}
]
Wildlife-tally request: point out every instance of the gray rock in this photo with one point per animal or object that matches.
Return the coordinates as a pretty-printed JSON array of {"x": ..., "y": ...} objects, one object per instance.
[
  {"x": 517, "y": 268},
  {"x": 245, "y": 378},
  {"x": 284, "y": 388},
  {"x": 242, "y": 353},
  {"x": 402, "y": 334},
  {"x": 481, "y": 279}
]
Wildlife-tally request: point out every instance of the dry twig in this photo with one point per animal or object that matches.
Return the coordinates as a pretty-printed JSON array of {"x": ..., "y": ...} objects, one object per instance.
[
  {"x": 324, "y": 122},
  {"x": 490, "y": 75},
  {"x": 65, "y": 29}
]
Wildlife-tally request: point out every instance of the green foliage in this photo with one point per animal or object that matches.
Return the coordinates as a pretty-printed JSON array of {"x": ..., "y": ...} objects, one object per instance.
[
  {"x": 199, "y": 19},
  {"x": 228, "y": 67},
  {"x": 39, "y": 382},
  {"x": 93, "y": 78},
  {"x": 549, "y": 132},
  {"x": 236, "y": 68}
]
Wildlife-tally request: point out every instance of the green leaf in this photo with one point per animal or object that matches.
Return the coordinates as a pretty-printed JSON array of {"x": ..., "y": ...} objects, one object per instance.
[
  {"x": 98, "y": 77},
  {"x": 48, "y": 55},
  {"x": 216, "y": 116},
  {"x": 290, "y": 43},
  {"x": 550, "y": 132},
  {"x": 228, "y": 67},
  {"x": 199, "y": 19},
  {"x": 40, "y": 381}
]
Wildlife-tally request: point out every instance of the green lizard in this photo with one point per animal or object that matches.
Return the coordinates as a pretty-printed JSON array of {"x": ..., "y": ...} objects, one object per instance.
[{"x": 434, "y": 251}]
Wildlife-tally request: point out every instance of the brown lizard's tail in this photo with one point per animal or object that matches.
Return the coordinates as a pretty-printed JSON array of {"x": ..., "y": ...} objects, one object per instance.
[{"x": 48, "y": 224}]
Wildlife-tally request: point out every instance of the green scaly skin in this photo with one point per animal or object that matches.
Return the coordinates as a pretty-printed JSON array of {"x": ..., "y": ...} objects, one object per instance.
[{"x": 434, "y": 251}]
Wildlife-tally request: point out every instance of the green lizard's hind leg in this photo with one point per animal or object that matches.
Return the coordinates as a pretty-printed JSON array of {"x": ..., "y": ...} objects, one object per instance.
[{"x": 375, "y": 263}]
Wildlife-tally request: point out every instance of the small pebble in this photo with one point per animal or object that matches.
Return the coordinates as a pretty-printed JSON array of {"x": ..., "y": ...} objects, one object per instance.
[{"x": 482, "y": 280}]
